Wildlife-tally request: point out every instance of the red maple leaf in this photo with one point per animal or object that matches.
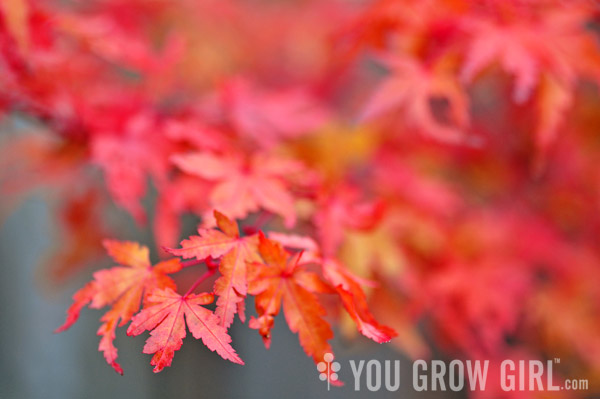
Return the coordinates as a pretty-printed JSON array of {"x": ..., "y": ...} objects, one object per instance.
[
  {"x": 244, "y": 186},
  {"x": 343, "y": 209},
  {"x": 123, "y": 288},
  {"x": 268, "y": 117},
  {"x": 412, "y": 87},
  {"x": 127, "y": 160},
  {"x": 178, "y": 196},
  {"x": 552, "y": 66},
  {"x": 165, "y": 319},
  {"x": 235, "y": 252}
]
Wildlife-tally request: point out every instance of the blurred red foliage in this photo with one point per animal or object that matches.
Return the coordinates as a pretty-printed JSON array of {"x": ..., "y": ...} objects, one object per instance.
[{"x": 440, "y": 154}]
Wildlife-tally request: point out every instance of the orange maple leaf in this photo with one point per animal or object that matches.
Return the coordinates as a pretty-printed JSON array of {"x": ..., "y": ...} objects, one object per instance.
[
  {"x": 16, "y": 13},
  {"x": 165, "y": 319},
  {"x": 355, "y": 302},
  {"x": 347, "y": 285},
  {"x": 235, "y": 251},
  {"x": 123, "y": 288},
  {"x": 283, "y": 280}
]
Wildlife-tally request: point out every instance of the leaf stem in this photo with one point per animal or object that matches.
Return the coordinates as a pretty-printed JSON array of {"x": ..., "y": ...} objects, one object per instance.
[
  {"x": 203, "y": 277},
  {"x": 190, "y": 263}
]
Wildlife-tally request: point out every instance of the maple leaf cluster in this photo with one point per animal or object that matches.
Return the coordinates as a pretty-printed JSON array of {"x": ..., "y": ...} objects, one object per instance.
[
  {"x": 428, "y": 167},
  {"x": 252, "y": 264}
]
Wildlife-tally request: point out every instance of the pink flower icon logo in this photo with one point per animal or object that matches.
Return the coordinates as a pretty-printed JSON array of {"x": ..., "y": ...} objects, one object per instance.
[{"x": 328, "y": 369}]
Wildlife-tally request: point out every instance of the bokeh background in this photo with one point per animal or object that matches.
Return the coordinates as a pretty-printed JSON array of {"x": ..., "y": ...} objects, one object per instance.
[{"x": 448, "y": 150}]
